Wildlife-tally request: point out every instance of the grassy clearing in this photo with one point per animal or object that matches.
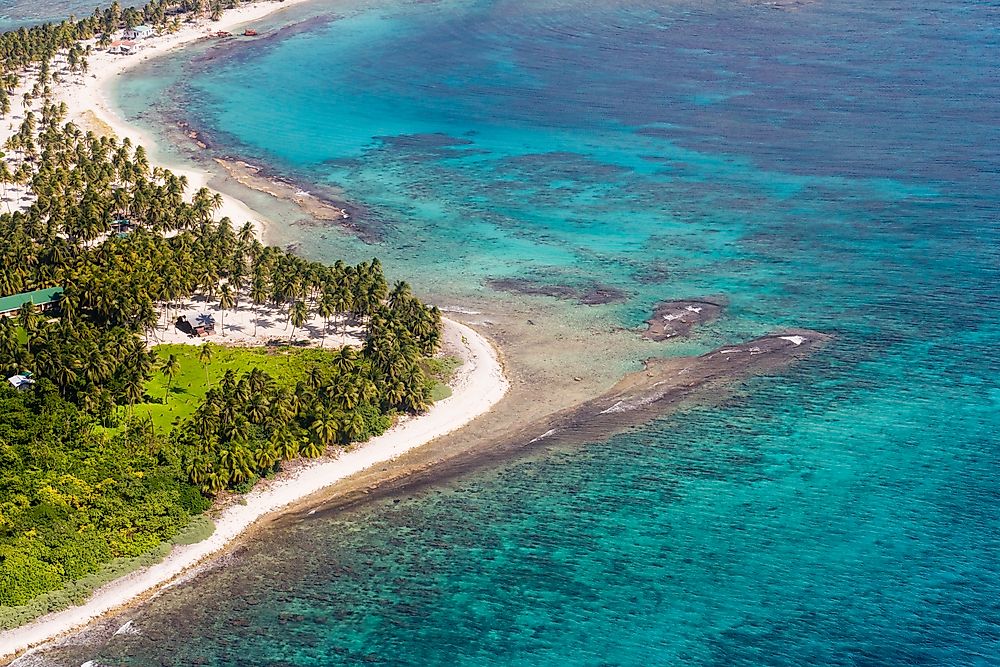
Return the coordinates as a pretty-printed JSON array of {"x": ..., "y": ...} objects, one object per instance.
[
  {"x": 442, "y": 369},
  {"x": 287, "y": 365}
]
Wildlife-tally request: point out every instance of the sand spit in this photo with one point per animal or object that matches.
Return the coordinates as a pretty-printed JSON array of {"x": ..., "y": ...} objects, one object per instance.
[{"x": 318, "y": 209}]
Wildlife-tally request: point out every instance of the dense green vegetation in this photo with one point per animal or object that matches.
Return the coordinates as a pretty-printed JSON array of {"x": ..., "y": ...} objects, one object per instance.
[
  {"x": 72, "y": 499},
  {"x": 117, "y": 446}
]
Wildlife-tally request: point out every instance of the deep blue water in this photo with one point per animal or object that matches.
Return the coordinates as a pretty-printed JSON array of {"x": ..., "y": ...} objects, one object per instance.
[{"x": 823, "y": 164}]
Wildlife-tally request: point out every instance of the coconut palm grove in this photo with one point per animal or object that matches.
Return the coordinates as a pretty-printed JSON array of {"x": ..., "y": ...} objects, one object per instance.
[{"x": 88, "y": 481}]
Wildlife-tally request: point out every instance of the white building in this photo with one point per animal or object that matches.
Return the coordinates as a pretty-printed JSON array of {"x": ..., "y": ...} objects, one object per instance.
[
  {"x": 123, "y": 47},
  {"x": 139, "y": 32},
  {"x": 21, "y": 382}
]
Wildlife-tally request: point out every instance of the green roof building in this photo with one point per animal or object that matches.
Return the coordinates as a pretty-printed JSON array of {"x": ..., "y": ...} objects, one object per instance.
[{"x": 42, "y": 298}]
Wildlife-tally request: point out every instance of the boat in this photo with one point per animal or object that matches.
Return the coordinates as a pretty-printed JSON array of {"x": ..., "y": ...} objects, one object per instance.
[
  {"x": 249, "y": 33},
  {"x": 223, "y": 33}
]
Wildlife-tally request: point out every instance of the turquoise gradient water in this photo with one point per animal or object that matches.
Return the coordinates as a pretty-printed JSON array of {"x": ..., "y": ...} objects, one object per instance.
[{"x": 827, "y": 164}]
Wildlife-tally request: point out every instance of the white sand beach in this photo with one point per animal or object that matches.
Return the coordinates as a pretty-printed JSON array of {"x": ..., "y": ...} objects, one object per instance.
[{"x": 477, "y": 386}]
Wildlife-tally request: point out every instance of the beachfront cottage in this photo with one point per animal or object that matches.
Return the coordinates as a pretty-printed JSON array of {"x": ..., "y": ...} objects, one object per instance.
[
  {"x": 123, "y": 47},
  {"x": 44, "y": 299},
  {"x": 139, "y": 32}
]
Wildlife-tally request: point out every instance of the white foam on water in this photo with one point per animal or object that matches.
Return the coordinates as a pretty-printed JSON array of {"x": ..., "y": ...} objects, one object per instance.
[
  {"x": 551, "y": 431},
  {"x": 127, "y": 629},
  {"x": 459, "y": 309}
]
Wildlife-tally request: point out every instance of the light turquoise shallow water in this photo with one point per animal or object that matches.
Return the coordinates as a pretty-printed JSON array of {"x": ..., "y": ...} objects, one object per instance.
[
  {"x": 831, "y": 166},
  {"x": 17, "y": 13}
]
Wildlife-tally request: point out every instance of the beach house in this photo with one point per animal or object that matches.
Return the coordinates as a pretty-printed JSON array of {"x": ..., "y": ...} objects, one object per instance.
[
  {"x": 122, "y": 47},
  {"x": 44, "y": 299},
  {"x": 138, "y": 32}
]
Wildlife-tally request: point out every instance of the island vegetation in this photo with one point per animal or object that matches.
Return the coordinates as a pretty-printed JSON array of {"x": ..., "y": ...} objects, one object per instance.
[{"x": 87, "y": 476}]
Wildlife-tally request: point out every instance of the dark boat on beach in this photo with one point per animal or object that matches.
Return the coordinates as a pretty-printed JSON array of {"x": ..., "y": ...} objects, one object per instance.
[{"x": 249, "y": 33}]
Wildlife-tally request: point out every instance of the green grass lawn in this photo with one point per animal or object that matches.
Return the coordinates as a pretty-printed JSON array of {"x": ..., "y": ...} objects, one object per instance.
[
  {"x": 442, "y": 369},
  {"x": 286, "y": 365}
]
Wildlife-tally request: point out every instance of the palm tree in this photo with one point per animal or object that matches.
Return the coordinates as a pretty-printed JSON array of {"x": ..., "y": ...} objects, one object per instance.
[
  {"x": 215, "y": 482},
  {"x": 325, "y": 428},
  {"x": 281, "y": 409},
  {"x": 133, "y": 391},
  {"x": 258, "y": 295},
  {"x": 246, "y": 235},
  {"x": 264, "y": 457},
  {"x": 286, "y": 443},
  {"x": 354, "y": 426},
  {"x": 170, "y": 368},
  {"x": 28, "y": 317},
  {"x": 327, "y": 309},
  {"x": 345, "y": 358},
  {"x": 297, "y": 315},
  {"x": 197, "y": 469},
  {"x": 226, "y": 301},
  {"x": 256, "y": 408},
  {"x": 311, "y": 449},
  {"x": 205, "y": 357},
  {"x": 315, "y": 376}
]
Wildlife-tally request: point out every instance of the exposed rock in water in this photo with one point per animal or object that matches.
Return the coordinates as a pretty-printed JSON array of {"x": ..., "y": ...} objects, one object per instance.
[
  {"x": 644, "y": 395},
  {"x": 677, "y": 318}
]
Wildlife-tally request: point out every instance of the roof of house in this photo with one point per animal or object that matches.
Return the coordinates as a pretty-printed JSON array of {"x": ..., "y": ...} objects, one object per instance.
[
  {"x": 141, "y": 28},
  {"x": 38, "y": 297},
  {"x": 19, "y": 381}
]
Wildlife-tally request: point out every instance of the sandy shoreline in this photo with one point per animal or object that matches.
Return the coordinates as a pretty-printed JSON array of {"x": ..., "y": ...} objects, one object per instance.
[
  {"x": 90, "y": 101},
  {"x": 478, "y": 385}
]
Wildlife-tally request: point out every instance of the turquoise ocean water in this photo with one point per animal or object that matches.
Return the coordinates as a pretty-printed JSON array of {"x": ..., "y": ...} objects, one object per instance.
[
  {"x": 17, "y": 13},
  {"x": 827, "y": 164}
]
